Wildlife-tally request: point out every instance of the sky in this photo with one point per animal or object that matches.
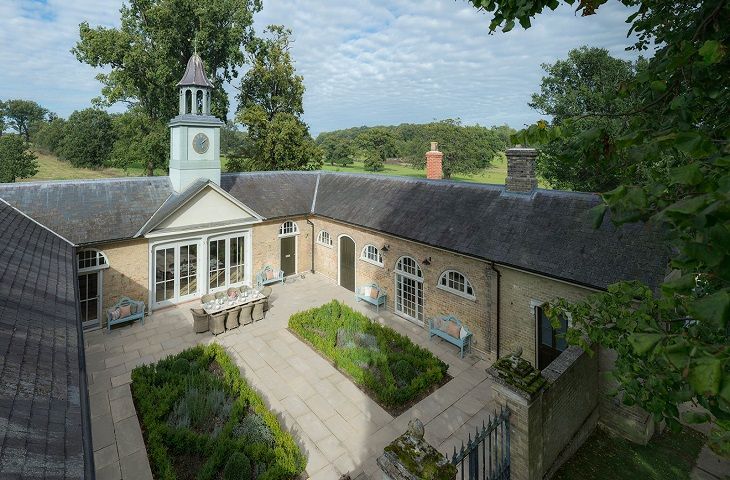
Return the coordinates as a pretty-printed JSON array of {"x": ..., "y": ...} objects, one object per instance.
[{"x": 364, "y": 62}]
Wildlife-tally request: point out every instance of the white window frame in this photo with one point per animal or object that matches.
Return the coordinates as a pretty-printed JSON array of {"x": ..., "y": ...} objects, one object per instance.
[
  {"x": 447, "y": 288},
  {"x": 365, "y": 258},
  {"x": 100, "y": 260},
  {"x": 248, "y": 258},
  {"x": 419, "y": 279},
  {"x": 175, "y": 245},
  {"x": 323, "y": 243},
  {"x": 285, "y": 231}
]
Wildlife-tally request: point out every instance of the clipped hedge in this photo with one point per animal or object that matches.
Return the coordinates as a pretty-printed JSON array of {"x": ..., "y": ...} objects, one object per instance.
[
  {"x": 393, "y": 369},
  {"x": 158, "y": 388}
]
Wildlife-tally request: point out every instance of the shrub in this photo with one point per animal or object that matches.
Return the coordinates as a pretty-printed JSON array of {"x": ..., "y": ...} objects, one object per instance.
[
  {"x": 238, "y": 467},
  {"x": 378, "y": 358},
  {"x": 253, "y": 429},
  {"x": 173, "y": 409}
]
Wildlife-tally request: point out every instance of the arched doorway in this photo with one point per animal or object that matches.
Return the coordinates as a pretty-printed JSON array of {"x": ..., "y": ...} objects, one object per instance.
[
  {"x": 409, "y": 289},
  {"x": 91, "y": 266},
  {"x": 346, "y": 253}
]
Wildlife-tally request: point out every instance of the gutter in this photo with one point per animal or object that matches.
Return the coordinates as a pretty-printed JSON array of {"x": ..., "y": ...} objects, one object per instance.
[
  {"x": 86, "y": 441},
  {"x": 499, "y": 289},
  {"x": 312, "y": 249}
]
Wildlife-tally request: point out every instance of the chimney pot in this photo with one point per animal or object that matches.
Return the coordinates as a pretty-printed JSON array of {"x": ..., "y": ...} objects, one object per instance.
[
  {"x": 434, "y": 146},
  {"x": 521, "y": 170}
]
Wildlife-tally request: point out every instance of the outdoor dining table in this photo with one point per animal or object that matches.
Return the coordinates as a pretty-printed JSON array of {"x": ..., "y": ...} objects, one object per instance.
[{"x": 217, "y": 306}]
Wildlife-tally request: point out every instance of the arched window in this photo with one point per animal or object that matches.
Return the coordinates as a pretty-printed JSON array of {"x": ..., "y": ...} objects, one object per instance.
[
  {"x": 288, "y": 228},
  {"x": 324, "y": 238},
  {"x": 371, "y": 254},
  {"x": 409, "y": 266},
  {"x": 90, "y": 260},
  {"x": 188, "y": 101},
  {"x": 199, "y": 102},
  {"x": 456, "y": 282}
]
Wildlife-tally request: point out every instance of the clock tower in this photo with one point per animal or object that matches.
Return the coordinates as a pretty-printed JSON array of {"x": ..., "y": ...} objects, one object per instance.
[{"x": 194, "y": 132}]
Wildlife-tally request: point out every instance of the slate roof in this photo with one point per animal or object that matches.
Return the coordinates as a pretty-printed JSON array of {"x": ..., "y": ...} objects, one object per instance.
[
  {"x": 41, "y": 417},
  {"x": 194, "y": 75},
  {"x": 273, "y": 194},
  {"x": 547, "y": 232},
  {"x": 90, "y": 211},
  {"x": 172, "y": 203}
]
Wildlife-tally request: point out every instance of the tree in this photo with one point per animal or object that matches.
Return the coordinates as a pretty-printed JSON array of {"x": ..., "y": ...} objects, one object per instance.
[
  {"x": 466, "y": 149},
  {"x": 272, "y": 83},
  {"x": 49, "y": 136},
  {"x": 270, "y": 107},
  {"x": 15, "y": 160},
  {"x": 336, "y": 150},
  {"x": 672, "y": 345},
  {"x": 378, "y": 145},
  {"x": 283, "y": 143},
  {"x": 21, "y": 114},
  {"x": 147, "y": 55},
  {"x": 2, "y": 118},
  {"x": 587, "y": 82},
  {"x": 88, "y": 138},
  {"x": 139, "y": 141}
]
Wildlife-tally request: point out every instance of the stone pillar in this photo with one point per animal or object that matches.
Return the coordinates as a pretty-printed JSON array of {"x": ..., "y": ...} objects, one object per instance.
[
  {"x": 517, "y": 385},
  {"x": 521, "y": 170},
  {"x": 410, "y": 457},
  {"x": 434, "y": 163}
]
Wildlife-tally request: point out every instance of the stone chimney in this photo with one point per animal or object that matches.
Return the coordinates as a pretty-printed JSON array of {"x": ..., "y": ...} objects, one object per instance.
[
  {"x": 434, "y": 163},
  {"x": 521, "y": 170}
]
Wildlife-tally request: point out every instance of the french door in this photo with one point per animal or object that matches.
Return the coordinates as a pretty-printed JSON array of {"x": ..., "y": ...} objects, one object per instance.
[
  {"x": 176, "y": 272},
  {"x": 90, "y": 299},
  {"x": 409, "y": 289},
  {"x": 228, "y": 261}
]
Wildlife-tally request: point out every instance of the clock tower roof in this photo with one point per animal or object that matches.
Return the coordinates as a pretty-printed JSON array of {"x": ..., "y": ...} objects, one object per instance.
[{"x": 195, "y": 74}]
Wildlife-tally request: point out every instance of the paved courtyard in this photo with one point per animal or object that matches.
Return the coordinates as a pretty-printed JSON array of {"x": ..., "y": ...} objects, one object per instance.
[{"x": 340, "y": 429}]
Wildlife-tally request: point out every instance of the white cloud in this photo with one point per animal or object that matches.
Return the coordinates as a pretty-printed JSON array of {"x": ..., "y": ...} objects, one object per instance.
[{"x": 364, "y": 62}]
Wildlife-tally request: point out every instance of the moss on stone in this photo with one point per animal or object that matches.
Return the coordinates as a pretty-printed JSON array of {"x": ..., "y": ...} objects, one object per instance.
[
  {"x": 519, "y": 373},
  {"x": 421, "y": 459}
]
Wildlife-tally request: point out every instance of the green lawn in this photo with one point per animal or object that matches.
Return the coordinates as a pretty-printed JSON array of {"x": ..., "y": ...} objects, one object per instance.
[
  {"x": 494, "y": 174},
  {"x": 51, "y": 168},
  {"x": 605, "y": 456}
]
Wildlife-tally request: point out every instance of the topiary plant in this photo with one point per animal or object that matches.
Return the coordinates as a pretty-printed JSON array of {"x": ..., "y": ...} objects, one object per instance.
[
  {"x": 238, "y": 467},
  {"x": 403, "y": 372}
]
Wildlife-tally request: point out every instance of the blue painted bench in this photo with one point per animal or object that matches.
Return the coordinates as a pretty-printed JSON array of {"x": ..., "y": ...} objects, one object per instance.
[
  {"x": 276, "y": 276},
  {"x": 438, "y": 326},
  {"x": 136, "y": 312},
  {"x": 366, "y": 294}
]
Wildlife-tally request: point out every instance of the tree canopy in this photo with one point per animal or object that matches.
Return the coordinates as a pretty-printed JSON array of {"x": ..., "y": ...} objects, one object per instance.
[
  {"x": 270, "y": 109},
  {"x": 672, "y": 345},
  {"x": 15, "y": 159},
  {"x": 377, "y": 145},
  {"x": 587, "y": 82},
  {"x": 20, "y": 115},
  {"x": 88, "y": 138}
]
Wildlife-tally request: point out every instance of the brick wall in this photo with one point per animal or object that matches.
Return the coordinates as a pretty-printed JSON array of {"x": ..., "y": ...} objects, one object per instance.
[
  {"x": 521, "y": 170},
  {"x": 128, "y": 272},
  {"x": 267, "y": 245},
  {"x": 521, "y": 293},
  {"x": 474, "y": 313}
]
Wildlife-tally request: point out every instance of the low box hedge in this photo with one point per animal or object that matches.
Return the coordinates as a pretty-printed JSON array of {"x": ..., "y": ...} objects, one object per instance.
[
  {"x": 201, "y": 420},
  {"x": 384, "y": 363}
]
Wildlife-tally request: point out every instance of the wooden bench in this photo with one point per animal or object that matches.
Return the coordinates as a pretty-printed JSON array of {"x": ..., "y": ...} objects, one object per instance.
[
  {"x": 136, "y": 312},
  {"x": 268, "y": 276},
  {"x": 371, "y": 294},
  {"x": 437, "y": 326}
]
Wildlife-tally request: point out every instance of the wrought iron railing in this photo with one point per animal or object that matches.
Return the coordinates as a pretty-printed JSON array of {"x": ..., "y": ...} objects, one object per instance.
[{"x": 486, "y": 456}]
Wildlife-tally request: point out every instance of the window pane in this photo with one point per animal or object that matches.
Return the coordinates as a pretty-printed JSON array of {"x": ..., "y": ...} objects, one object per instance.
[{"x": 546, "y": 329}]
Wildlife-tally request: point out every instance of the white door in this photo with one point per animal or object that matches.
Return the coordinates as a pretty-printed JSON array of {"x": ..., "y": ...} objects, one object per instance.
[
  {"x": 90, "y": 300},
  {"x": 409, "y": 289},
  {"x": 176, "y": 272}
]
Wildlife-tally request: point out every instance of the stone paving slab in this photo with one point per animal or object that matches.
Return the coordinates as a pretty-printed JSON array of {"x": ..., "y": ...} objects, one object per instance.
[{"x": 339, "y": 428}]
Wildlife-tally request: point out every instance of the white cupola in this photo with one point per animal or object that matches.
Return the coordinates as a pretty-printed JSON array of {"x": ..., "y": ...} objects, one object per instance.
[{"x": 194, "y": 132}]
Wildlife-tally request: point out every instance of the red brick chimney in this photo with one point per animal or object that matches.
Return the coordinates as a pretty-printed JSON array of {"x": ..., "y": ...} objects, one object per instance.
[{"x": 434, "y": 163}]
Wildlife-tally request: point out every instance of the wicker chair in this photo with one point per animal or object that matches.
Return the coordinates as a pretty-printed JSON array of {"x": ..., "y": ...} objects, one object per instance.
[
  {"x": 244, "y": 288},
  {"x": 258, "y": 311},
  {"x": 266, "y": 292},
  {"x": 200, "y": 320},
  {"x": 208, "y": 297},
  {"x": 219, "y": 295},
  {"x": 232, "y": 292},
  {"x": 245, "y": 316},
  {"x": 218, "y": 323},
  {"x": 232, "y": 318}
]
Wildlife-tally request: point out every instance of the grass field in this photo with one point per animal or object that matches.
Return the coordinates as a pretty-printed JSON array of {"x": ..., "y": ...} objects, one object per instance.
[
  {"x": 494, "y": 174},
  {"x": 51, "y": 168},
  {"x": 668, "y": 455}
]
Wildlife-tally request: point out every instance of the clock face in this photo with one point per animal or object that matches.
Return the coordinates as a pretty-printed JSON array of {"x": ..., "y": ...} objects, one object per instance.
[{"x": 201, "y": 143}]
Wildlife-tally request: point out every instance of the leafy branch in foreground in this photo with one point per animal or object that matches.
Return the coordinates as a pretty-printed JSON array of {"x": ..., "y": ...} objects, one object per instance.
[{"x": 672, "y": 344}]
